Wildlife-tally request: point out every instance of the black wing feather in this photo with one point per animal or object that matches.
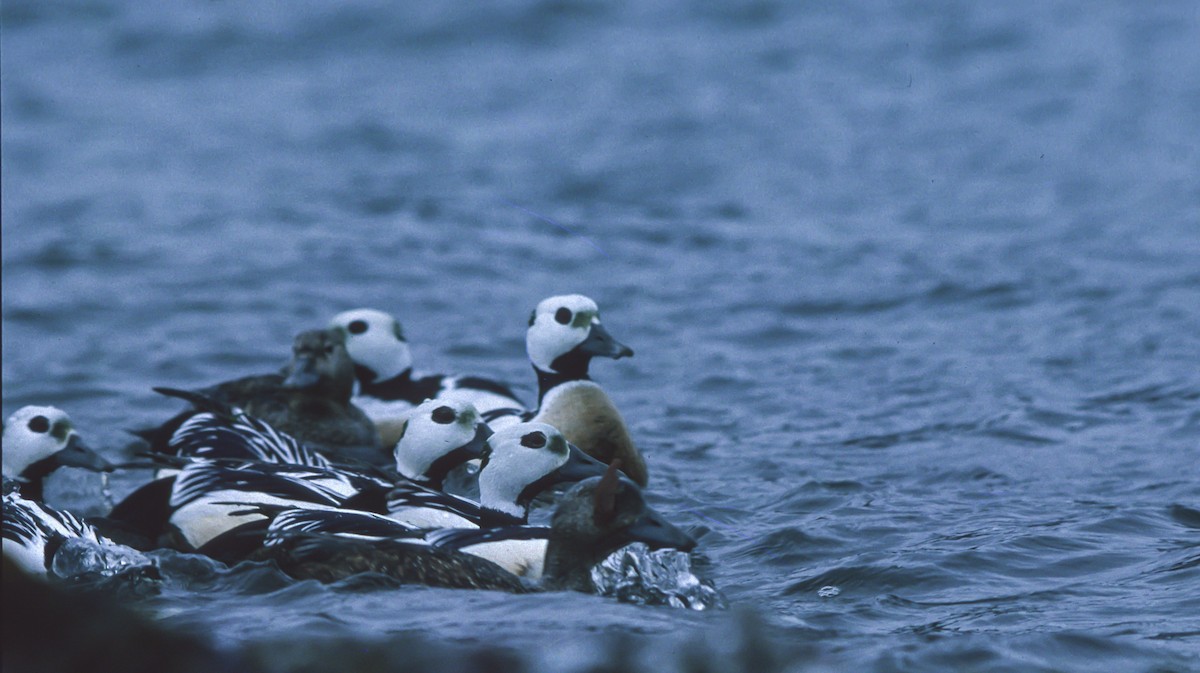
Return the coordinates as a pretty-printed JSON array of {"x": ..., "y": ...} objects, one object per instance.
[
  {"x": 411, "y": 494},
  {"x": 341, "y": 523},
  {"x": 460, "y": 538},
  {"x": 198, "y": 479}
]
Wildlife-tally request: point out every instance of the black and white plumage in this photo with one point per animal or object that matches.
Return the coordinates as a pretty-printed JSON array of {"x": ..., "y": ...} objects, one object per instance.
[
  {"x": 458, "y": 539},
  {"x": 37, "y": 441},
  {"x": 445, "y": 435},
  {"x": 368, "y": 526},
  {"x": 595, "y": 518},
  {"x": 223, "y": 433},
  {"x": 388, "y": 388},
  {"x": 212, "y": 503},
  {"x": 209, "y": 501},
  {"x": 438, "y": 436},
  {"x": 234, "y": 435},
  {"x": 350, "y": 524},
  {"x": 519, "y": 550},
  {"x": 256, "y": 463},
  {"x": 422, "y": 506},
  {"x": 520, "y": 462},
  {"x": 33, "y": 532}
]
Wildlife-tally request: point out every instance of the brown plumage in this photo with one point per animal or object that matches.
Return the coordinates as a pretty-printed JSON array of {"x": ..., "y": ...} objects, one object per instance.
[
  {"x": 585, "y": 415},
  {"x": 330, "y": 559},
  {"x": 310, "y": 401}
]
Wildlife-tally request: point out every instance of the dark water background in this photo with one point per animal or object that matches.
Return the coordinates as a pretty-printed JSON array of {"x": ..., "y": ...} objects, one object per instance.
[{"x": 914, "y": 287}]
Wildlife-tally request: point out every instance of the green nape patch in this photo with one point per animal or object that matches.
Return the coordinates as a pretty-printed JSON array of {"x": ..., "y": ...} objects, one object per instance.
[{"x": 61, "y": 430}]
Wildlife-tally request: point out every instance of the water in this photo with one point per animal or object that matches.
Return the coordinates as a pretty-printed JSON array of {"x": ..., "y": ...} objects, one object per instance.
[{"x": 914, "y": 287}]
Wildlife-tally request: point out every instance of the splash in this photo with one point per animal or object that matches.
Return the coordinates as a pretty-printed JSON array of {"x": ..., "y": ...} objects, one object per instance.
[{"x": 634, "y": 574}]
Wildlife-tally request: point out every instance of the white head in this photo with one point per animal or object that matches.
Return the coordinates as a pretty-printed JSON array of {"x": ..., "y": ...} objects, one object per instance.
[
  {"x": 34, "y": 434},
  {"x": 524, "y": 459},
  {"x": 375, "y": 341},
  {"x": 439, "y": 435},
  {"x": 568, "y": 325}
]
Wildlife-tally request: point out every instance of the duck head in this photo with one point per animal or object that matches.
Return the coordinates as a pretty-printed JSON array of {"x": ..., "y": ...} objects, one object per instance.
[
  {"x": 438, "y": 436},
  {"x": 597, "y": 517},
  {"x": 376, "y": 343},
  {"x": 320, "y": 364},
  {"x": 522, "y": 460},
  {"x": 565, "y": 334},
  {"x": 38, "y": 440}
]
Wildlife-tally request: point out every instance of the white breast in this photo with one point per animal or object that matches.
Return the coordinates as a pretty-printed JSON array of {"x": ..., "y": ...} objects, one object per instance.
[
  {"x": 204, "y": 519},
  {"x": 382, "y": 410},
  {"x": 523, "y": 558},
  {"x": 30, "y": 557}
]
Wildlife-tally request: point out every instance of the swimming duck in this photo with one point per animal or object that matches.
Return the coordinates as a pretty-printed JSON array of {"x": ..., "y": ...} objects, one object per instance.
[
  {"x": 39, "y": 440},
  {"x": 564, "y": 335},
  {"x": 310, "y": 401},
  {"x": 442, "y": 435},
  {"x": 209, "y": 502},
  {"x": 519, "y": 463},
  {"x": 595, "y": 518},
  {"x": 387, "y": 386},
  {"x": 215, "y": 431},
  {"x": 33, "y": 532}
]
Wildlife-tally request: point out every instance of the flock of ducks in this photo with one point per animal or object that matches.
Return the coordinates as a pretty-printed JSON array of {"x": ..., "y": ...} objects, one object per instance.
[{"x": 347, "y": 462}]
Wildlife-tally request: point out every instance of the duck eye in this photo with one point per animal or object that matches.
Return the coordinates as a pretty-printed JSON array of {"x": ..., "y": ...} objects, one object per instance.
[
  {"x": 39, "y": 424},
  {"x": 357, "y": 326},
  {"x": 534, "y": 440},
  {"x": 443, "y": 415},
  {"x": 329, "y": 350},
  {"x": 563, "y": 315}
]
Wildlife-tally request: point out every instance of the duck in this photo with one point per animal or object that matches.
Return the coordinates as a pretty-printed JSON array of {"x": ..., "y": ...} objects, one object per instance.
[
  {"x": 387, "y": 388},
  {"x": 37, "y": 441},
  {"x": 594, "y": 518},
  {"x": 310, "y": 400},
  {"x": 209, "y": 503},
  {"x": 240, "y": 459},
  {"x": 214, "y": 432},
  {"x": 520, "y": 462},
  {"x": 34, "y": 532},
  {"x": 564, "y": 334}
]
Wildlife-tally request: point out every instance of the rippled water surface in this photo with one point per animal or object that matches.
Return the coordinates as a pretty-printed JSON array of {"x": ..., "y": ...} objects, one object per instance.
[{"x": 914, "y": 287}]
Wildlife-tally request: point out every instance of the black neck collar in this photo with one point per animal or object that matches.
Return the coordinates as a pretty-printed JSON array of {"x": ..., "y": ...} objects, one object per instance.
[
  {"x": 494, "y": 517},
  {"x": 570, "y": 367},
  {"x": 400, "y": 387},
  {"x": 436, "y": 474},
  {"x": 533, "y": 490},
  {"x": 34, "y": 475}
]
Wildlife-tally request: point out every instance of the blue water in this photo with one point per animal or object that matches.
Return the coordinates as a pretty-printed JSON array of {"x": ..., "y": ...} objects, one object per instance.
[{"x": 914, "y": 287}]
